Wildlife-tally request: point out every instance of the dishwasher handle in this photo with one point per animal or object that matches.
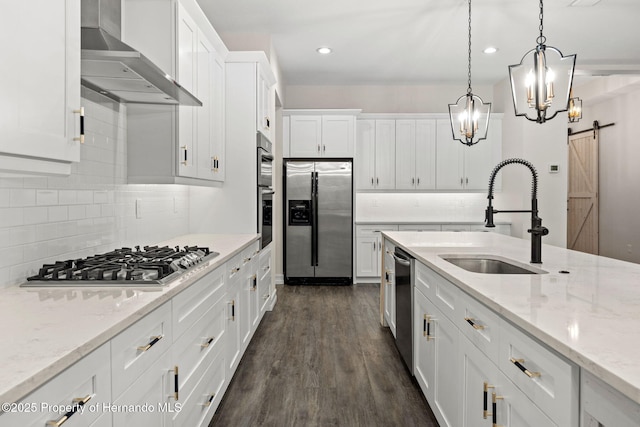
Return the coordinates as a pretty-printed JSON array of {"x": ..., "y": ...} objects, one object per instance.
[{"x": 402, "y": 261}]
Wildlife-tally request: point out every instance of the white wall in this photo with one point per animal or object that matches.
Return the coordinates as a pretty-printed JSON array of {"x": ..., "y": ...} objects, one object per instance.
[
  {"x": 381, "y": 99},
  {"x": 44, "y": 219},
  {"x": 615, "y": 100},
  {"x": 542, "y": 145}
]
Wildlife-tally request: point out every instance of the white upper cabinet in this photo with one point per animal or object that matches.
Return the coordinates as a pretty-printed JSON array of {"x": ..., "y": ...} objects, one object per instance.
[
  {"x": 385, "y": 149},
  {"x": 460, "y": 167},
  {"x": 376, "y": 154},
  {"x": 40, "y": 87},
  {"x": 415, "y": 154},
  {"x": 320, "y": 133},
  {"x": 265, "y": 105},
  {"x": 184, "y": 144}
]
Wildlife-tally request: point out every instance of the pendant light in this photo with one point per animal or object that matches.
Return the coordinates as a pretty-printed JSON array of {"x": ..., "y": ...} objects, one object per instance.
[
  {"x": 541, "y": 87},
  {"x": 469, "y": 116},
  {"x": 575, "y": 109}
]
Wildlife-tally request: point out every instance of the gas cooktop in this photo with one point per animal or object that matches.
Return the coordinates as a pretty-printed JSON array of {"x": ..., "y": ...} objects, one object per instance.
[{"x": 147, "y": 266}]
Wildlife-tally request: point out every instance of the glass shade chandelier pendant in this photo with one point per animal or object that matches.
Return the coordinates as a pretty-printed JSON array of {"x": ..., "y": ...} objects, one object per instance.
[
  {"x": 541, "y": 83},
  {"x": 469, "y": 116}
]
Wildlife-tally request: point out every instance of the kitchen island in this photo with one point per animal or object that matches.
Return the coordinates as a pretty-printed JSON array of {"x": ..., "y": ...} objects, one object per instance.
[
  {"x": 584, "y": 308},
  {"x": 50, "y": 329}
]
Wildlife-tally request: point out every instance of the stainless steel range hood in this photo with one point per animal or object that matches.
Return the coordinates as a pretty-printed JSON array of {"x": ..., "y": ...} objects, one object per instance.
[{"x": 115, "y": 69}]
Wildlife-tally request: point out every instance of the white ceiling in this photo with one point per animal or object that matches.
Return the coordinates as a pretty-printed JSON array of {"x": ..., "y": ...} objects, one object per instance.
[{"x": 425, "y": 41}]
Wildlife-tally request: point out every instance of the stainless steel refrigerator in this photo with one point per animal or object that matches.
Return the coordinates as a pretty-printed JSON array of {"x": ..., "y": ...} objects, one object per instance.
[{"x": 318, "y": 221}]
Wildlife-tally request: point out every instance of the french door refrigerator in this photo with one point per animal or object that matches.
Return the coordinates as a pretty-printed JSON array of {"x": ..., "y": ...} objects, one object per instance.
[{"x": 318, "y": 221}]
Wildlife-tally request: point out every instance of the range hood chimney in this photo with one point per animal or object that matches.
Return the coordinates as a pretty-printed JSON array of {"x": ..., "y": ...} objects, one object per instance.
[{"x": 117, "y": 70}]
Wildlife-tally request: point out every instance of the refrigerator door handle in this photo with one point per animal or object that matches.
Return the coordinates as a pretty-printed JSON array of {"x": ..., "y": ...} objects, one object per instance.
[{"x": 315, "y": 219}]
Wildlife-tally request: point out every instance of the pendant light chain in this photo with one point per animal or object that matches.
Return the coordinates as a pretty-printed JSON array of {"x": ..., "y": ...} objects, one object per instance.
[
  {"x": 542, "y": 39},
  {"x": 469, "y": 81}
]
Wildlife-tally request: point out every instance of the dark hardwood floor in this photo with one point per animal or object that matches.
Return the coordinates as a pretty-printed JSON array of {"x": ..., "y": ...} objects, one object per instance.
[{"x": 322, "y": 358}]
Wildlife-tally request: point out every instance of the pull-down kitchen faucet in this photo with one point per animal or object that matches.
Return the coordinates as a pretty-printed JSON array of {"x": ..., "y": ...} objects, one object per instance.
[{"x": 536, "y": 230}]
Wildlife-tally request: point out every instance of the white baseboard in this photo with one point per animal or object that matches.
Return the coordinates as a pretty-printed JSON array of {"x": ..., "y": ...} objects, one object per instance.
[{"x": 279, "y": 279}]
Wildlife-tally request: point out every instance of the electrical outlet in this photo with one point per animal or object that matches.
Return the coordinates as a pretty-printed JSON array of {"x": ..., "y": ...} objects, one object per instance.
[{"x": 138, "y": 208}]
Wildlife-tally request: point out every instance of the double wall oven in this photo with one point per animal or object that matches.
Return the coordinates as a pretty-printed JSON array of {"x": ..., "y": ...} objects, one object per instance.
[{"x": 265, "y": 190}]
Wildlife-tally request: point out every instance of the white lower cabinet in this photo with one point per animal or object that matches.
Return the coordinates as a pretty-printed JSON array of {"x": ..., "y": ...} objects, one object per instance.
[
  {"x": 88, "y": 381},
  {"x": 149, "y": 397},
  {"x": 388, "y": 281},
  {"x": 264, "y": 280},
  {"x": 369, "y": 249},
  {"x": 435, "y": 343},
  {"x": 505, "y": 377},
  {"x": 139, "y": 346},
  {"x": 489, "y": 398},
  {"x": 602, "y": 406}
]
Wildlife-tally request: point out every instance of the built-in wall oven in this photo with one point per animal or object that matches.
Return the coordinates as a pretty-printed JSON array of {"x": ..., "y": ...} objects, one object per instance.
[{"x": 265, "y": 190}]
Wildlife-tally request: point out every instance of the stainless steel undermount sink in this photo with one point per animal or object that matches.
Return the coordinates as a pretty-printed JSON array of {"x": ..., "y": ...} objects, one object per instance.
[{"x": 490, "y": 264}]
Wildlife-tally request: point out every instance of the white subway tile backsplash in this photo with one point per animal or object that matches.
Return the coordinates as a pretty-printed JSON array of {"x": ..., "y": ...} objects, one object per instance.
[
  {"x": 23, "y": 197},
  {"x": 46, "y": 219},
  {"x": 36, "y": 215},
  {"x": 46, "y": 197},
  {"x": 11, "y": 217}
]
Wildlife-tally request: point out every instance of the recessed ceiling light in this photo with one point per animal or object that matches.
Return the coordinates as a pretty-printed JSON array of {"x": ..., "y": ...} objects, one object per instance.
[
  {"x": 324, "y": 50},
  {"x": 490, "y": 50}
]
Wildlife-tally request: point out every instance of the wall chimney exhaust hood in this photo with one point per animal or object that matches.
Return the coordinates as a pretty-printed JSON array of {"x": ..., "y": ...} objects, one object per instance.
[{"x": 115, "y": 69}]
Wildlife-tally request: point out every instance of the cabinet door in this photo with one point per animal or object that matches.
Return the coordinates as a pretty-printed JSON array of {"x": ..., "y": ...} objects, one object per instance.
[
  {"x": 367, "y": 257},
  {"x": 449, "y": 172},
  {"x": 40, "y": 90},
  {"x": 232, "y": 329},
  {"x": 365, "y": 159},
  {"x": 481, "y": 379},
  {"x": 205, "y": 61},
  {"x": 405, "y": 154},
  {"x": 218, "y": 117},
  {"x": 481, "y": 158},
  {"x": 264, "y": 114},
  {"x": 187, "y": 75},
  {"x": 264, "y": 280},
  {"x": 306, "y": 136},
  {"x": 385, "y": 162},
  {"x": 154, "y": 390},
  {"x": 425, "y": 155},
  {"x": 338, "y": 135},
  {"x": 435, "y": 366}
]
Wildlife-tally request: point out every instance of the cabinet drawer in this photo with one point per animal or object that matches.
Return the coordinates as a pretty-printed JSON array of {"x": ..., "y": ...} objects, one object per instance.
[
  {"x": 190, "y": 304},
  {"x": 197, "y": 346},
  {"x": 480, "y": 325},
  {"x": 264, "y": 280},
  {"x": 232, "y": 268},
  {"x": 373, "y": 230},
  {"x": 199, "y": 407},
  {"x": 153, "y": 390},
  {"x": 549, "y": 380},
  {"x": 137, "y": 347},
  {"x": 442, "y": 293},
  {"x": 90, "y": 377}
]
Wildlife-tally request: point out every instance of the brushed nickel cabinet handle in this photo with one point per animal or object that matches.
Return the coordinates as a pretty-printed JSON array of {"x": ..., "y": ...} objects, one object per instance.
[
  {"x": 154, "y": 341},
  {"x": 176, "y": 384},
  {"x": 80, "y": 138},
  {"x": 78, "y": 402},
  {"x": 520, "y": 365},
  {"x": 472, "y": 322},
  {"x": 208, "y": 342},
  {"x": 494, "y": 407},
  {"x": 209, "y": 400}
]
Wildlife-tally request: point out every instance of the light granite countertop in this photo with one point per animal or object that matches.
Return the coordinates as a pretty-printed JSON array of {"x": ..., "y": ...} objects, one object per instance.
[
  {"x": 590, "y": 315},
  {"x": 445, "y": 221},
  {"x": 46, "y": 330}
]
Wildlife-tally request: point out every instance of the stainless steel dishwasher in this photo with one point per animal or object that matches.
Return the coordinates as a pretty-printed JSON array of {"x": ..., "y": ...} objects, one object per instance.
[{"x": 404, "y": 271}]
